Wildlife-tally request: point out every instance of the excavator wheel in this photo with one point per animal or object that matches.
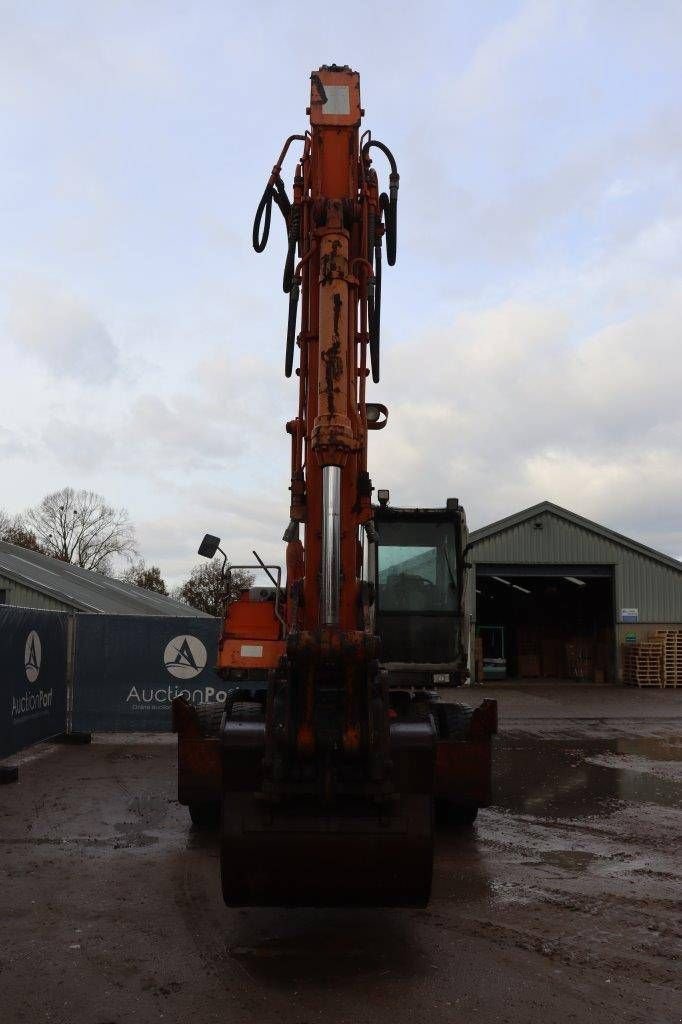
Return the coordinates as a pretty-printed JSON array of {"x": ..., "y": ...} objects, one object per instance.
[
  {"x": 453, "y": 722},
  {"x": 209, "y": 716},
  {"x": 449, "y": 813},
  {"x": 204, "y": 815}
]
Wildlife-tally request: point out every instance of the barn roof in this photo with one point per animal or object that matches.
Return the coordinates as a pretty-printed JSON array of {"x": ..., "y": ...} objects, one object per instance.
[
  {"x": 548, "y": 507},
  {"x": 82, "y": 589}
]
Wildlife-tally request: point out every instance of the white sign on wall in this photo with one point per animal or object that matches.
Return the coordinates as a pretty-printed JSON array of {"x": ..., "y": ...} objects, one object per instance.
[{"x": 629, "y": 615}]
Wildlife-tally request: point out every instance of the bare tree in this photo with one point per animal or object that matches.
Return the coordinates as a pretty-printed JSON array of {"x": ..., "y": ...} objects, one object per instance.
[
  {"x": 146, "y": 576},
  {"x": 14, "y": 531},
  {"x": 206, "y": 587},
  {"x": 80, "y": 527}
]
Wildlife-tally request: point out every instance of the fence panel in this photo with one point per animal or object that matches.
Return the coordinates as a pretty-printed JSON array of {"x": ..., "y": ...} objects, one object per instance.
[
  {"x": 129, "y": 668},
  {"x": 33, "y": 660}
]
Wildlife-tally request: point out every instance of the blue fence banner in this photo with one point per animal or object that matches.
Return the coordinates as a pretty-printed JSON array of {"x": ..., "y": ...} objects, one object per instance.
[
  {"x": 129, "y": 668},
  {"x": 33, "y": 669}
]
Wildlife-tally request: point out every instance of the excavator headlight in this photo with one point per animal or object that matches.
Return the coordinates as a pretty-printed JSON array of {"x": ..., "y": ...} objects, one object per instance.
[{"x": 376, "y": 414}]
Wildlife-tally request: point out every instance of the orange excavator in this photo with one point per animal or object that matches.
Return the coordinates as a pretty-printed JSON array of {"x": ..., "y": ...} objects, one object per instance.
[{"x": 332, "y": 751}]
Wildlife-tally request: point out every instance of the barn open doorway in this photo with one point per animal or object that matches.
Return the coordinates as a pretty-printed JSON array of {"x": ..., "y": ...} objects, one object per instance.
[{"x": 546, "y": 622}]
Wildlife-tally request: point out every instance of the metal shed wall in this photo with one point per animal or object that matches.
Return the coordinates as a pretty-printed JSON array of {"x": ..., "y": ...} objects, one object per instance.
[
  {"x": 640, "y": 581},
  {"x": 21, "y": 596}
]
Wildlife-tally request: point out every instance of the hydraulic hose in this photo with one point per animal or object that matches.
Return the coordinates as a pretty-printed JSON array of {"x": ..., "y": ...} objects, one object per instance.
[
  {"x": 274, "y": 190},
  {"x": 293, "y": 229},
  {"x": 264, "y": 207},
  {"x": 291, "y": 327},
  {"x": 374, "y": 309},
  {"x": 389, "y": 203}
]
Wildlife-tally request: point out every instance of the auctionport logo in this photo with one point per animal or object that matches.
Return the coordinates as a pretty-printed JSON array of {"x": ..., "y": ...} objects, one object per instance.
[
  {"x": 32, "y": 703},
  {"x": 32, "y": 656},
  {"x": 150, "y": 698},
  {"x": 185, "y": 656}
]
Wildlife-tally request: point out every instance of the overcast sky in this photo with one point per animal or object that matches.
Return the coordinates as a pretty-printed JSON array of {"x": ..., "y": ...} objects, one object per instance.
[{"x": 532, "y": 323}]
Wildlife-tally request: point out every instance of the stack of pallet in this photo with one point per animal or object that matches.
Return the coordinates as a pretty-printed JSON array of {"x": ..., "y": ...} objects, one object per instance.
[
  {"x": 671, "y": 641},
  {"x": 478, "y": 660},
  {"x": 580, "y": 658},
  {"x": 529, "y": 659},
  {"x": 528, "y": 651},
  {"x": 643, "y": 663}
]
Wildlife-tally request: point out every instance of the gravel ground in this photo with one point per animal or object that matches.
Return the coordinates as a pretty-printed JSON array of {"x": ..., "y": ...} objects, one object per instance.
[{"x": 563, "y": 903}]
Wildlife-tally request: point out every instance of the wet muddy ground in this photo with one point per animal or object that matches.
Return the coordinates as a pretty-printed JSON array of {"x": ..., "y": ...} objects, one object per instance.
[{"x": 563, "y": 903}]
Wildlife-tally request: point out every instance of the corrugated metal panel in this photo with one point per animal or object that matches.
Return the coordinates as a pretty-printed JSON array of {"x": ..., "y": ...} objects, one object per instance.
[
  {"x": 82, "y": 589},
  {"x": 20, "y": 596},
  {"x": 640, "y": 582}
]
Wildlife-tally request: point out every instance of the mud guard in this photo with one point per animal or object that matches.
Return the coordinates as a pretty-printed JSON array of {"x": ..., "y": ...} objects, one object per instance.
[{"x": 464, "y": 758}]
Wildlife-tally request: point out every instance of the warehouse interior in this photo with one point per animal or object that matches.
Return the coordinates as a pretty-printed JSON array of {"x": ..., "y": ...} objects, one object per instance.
[{"x": 546, "y": 622}]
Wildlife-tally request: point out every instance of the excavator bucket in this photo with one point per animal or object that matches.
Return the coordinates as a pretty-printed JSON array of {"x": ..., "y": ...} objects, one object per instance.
[{"x": 348, "y": 853}]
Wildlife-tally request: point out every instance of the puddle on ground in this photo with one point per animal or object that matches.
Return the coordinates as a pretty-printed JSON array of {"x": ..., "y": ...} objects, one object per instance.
[
  {"x": 568, "y": 860},
  {"x": 150, "y": 808},
  {"x": 668, "y": 749},
  {"x": 132, "y": 836},
  {"x": 335, "y": 949},
  {"x": 550, "y": 778}
]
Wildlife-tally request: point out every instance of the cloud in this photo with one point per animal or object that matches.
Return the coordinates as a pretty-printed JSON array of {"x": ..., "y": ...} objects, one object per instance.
[
  {"x": 63, "y": 334},
  {"x": 11, "y": 444},
  {"x": 81, "y": 445},
  {"x": 243, "y": 518},
  {"x": 483, "y": 79},
  {"x": 515, "y": 407},
  {"x": 537, "y": 288},
  {"x": 217, "y": 413}
]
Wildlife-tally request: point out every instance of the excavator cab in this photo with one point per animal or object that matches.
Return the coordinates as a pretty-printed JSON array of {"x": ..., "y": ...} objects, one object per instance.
[{"x": 416, "y": 564}]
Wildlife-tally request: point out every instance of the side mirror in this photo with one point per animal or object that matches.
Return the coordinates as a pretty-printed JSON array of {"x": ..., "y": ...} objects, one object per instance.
[{"x": 209, "y": 546}]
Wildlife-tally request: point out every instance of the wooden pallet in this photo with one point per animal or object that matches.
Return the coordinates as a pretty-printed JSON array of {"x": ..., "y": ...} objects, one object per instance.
[
  {"x": 643, "y": 663},
  {"x": 671, "y": 641}
]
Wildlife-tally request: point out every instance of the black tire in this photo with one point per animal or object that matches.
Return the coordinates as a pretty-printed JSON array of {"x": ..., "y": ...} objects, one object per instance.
[
  {"x": 452, "y": 720},
  {"x": 449, "y": 813},
  {"x": 247, "y": 710},
  {"x": 210, "y": 716},
  {"x": 205, "y": 815},
  {"x": 8, "y": 773}
]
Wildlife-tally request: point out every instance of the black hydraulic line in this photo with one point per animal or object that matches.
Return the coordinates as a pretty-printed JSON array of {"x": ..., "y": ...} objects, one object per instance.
[
  {"x": 288, "y": 276},
  {"x": 389, "y": 203},
  {"x": 264, "y": 207},
  {"x": 273, "y": 191},
  {"x": 291, "y": 328},
  {"x": 371, "y": 294},
  {"x": 375, "y": 315},
  {"x": 390, "y": 209},
  {"x": 293, "y": 229}
]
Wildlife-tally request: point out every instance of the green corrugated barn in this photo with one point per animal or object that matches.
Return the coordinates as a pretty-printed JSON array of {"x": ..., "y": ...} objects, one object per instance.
[{"x": 554, "y": 595}]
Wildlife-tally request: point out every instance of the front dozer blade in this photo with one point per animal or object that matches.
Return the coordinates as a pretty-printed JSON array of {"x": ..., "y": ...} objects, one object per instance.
[{"x": 350, "y": 852}]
